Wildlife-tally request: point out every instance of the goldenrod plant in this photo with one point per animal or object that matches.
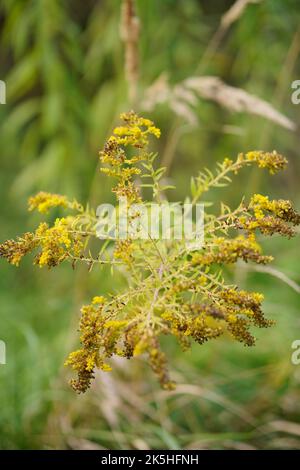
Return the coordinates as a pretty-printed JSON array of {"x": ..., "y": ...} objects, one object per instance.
[{"x": 171, "y": 289}]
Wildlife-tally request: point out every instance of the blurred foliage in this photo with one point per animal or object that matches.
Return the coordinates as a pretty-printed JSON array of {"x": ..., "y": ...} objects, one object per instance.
[{"x": 64, "y": 69}]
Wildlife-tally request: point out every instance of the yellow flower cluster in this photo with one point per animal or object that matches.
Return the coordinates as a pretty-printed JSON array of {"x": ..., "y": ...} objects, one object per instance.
[
  {"x": 44, "y": 201},
  {"x": 134, "y": 133},
  {"x": 228, "y": 310},
  {"x": 98, "y": 299},
  {"x": 123, "y": 250},
  {"x": 281, "y": 208},
  {"x": 100, "y": 337},
  {"x": 158, "y": 363},
  {"x": 271, "y": 160},
  {"x": 14, "y": 250},
  {"x": 227, "y": 163},
  {"x": 229, "y": 250},
  {"x": 269, "y": 217},
  {"x": 149, "y": 344},
  {"x": 247, "y": 304},
  {"x": 84, "y": 360},
  {"x": 57, "y": 243}
]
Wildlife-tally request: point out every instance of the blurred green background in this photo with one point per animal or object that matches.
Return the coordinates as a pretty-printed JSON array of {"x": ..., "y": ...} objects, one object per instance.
[{"x": 63, "y": 64}]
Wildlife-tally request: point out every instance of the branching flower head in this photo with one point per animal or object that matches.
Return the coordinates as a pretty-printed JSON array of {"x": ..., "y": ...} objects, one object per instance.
[{"x": 171, "y": 290}]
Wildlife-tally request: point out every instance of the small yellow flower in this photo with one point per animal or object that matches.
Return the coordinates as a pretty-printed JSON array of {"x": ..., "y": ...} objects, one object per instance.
[
  {"x": 232, "y": 318},
  {"x": 105, "y": 367},
  {"x": 98, "y": 299},
  {"x": 154, "y": 131},
  {"x": 44, "y": 258},
  {"x": 140, "y": 348},
  {"x": 115, "y": 324},
  {"x": 227, "y": 162},
  {"x": 91, "y": 362}
]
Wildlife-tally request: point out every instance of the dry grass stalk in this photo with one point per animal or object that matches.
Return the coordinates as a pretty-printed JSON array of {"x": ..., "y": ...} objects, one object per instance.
[
  {"x": 232, "y": 15},
  {"x": 129, "y": 31},
  {"x": 183, "y": 97},
  {"x": 236, "y": 99},
  {"x": 235, "y": 12}
]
